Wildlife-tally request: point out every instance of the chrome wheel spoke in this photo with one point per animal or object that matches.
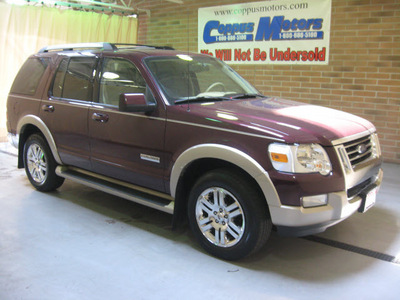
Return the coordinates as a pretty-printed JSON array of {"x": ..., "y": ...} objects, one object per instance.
[
  {"x": 233, "y": 230},
  {"x": 222, "y": 237},
  {"x": 206, "y": 206},
  {"x": 234, "y": 210},
  {"x": 217, "y": 236},
  {"x": 220, "y": 217},
  {"x": 36, "y": 162},
  {"x": 206, "y": 228},
  {"x": 40, "y": 174},
  {"x": 204, "y": 221},
  {"x": 235, "y": 214},
  {"x": 232, "y": 207},
  {"x": 221, "y": 198},
  {"x": 43, "y": 166}
]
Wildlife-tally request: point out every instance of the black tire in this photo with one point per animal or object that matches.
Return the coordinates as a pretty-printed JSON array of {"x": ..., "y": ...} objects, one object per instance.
[
  {"x": 40, "y": 165},
  {"x": 228, "y": 216}
]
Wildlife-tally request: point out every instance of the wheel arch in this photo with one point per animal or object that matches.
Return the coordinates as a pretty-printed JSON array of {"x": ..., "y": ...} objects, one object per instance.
[
  {"x": 28, "y": 125},
  {"x": 197, "y": 160}
]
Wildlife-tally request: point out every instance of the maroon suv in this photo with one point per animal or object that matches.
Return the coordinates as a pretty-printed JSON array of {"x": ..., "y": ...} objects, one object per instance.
[{"x": 185, "y": 134}]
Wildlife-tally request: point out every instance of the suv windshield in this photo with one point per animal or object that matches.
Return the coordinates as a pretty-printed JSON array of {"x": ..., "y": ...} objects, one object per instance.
[{"x": 185, "y": 78}]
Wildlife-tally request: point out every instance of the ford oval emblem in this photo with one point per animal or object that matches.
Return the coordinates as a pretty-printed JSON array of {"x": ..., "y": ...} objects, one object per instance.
[{"x": 361, "y": 149}]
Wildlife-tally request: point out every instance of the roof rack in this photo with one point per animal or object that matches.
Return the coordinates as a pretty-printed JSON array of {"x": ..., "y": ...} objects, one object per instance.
[
  {"x": 127, "y": 46},
  {"x": 102, "y": 46},
  {"x": 71, "y": 47}
]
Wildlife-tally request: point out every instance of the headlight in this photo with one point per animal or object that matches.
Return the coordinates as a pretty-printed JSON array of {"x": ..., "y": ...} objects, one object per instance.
[
  {"x": 303, "y": 158},
  {"x": 375, "y": 147}
]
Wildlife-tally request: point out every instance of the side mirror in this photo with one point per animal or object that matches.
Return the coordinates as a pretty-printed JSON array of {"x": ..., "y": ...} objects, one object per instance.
[{"x": 135, "y": 103}]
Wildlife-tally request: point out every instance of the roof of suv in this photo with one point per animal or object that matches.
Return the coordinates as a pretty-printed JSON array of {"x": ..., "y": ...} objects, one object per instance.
[
  {"x": 122, "y": 48},
  {"x": 99, "y": 46}
]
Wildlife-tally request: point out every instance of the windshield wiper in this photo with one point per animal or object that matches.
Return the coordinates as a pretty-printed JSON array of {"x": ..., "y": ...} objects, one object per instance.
[
  {"x": 201, "y": 99},
  {"x": 244, "y": 96},
  {"x": 216, "y": 98}
]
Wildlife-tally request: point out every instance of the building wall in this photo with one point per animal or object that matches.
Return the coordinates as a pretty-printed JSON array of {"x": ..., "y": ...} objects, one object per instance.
[{"x": 363, "y": 75}]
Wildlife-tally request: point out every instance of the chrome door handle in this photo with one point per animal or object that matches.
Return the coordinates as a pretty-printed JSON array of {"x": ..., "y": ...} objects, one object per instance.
[
  {"x": 103, "y": 118},
  {"x": 48, "y": 108}
]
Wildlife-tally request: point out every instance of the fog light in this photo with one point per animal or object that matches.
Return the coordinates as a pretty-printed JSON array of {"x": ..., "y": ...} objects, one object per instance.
[{"x": 312, "y": 201}]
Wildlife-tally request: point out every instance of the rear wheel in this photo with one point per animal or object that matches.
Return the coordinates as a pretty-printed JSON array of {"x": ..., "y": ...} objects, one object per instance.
[
  {"x": 40, "y": 164},
  {"x": 227, "y": 215}
]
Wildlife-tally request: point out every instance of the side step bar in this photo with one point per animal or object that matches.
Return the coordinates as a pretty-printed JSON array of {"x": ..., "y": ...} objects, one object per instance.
[{"x": 118, "y": 188}]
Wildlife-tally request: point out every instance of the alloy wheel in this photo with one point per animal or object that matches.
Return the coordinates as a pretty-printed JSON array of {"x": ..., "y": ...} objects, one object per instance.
[
  {"x": 37, "y": 165},
  {"x": 220, "y": 217}
]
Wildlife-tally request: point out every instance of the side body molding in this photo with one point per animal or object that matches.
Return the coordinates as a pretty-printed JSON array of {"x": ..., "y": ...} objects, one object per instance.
[
  {"x": 229, "y": 154},
  {"x": 36, "y": 121}
]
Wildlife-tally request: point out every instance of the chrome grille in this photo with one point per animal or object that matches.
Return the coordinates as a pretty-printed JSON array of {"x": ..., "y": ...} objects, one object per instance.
[{"x": 359, "y": 150}]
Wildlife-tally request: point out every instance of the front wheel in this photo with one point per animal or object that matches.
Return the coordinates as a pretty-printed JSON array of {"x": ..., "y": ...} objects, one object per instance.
[
  {"x": 40, "y": 164},
  {"x": 227, "y": 215}
]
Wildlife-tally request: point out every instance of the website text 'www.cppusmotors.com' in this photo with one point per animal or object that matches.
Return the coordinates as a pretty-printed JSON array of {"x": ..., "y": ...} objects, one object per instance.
[{"x": 259, "y": 9}]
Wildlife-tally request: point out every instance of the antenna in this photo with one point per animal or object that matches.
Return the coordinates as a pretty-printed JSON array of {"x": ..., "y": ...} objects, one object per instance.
[{"x": 188, "y": 63}]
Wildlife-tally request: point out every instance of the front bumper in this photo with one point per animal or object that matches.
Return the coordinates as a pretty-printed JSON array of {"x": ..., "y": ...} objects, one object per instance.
[{"x": 300, "y": 221}]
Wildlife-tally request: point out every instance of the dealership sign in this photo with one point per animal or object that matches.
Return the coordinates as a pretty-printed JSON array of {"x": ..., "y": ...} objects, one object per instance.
[{"x": 268, "y": 32}]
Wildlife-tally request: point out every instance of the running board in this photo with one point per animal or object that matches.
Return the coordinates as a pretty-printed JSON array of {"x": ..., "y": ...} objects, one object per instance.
[{"x": 118, "y": 188}]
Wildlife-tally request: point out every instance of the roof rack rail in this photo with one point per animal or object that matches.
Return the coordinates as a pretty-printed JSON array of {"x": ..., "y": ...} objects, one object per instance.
[
  {"x": 140, "y": 45},
  {"x": 71, "y": 47},
  {"x": 103, "y": 46}
]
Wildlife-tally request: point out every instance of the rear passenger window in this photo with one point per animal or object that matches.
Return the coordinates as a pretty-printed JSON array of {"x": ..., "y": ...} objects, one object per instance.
[
  {"x": 74, "y": 78},
  {"x": 28, "y": 78}
]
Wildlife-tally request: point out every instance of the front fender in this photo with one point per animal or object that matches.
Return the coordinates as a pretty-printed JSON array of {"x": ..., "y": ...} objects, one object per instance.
[{"x": 231, "y": 155}]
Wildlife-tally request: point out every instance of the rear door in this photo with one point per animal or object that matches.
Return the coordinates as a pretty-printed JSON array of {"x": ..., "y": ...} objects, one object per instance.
[
  {"x": 66, "y": 110},
  {"x": 125, "y": 145}
]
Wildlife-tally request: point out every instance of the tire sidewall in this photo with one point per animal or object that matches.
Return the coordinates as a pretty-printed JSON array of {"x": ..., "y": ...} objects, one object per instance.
[
  {"x": 52, "y": 181},
  {"x": 254, "y": 213}
]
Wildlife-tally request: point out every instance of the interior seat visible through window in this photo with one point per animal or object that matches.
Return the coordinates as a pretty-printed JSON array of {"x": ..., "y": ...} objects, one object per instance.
[{"x": 119, "y": 76}]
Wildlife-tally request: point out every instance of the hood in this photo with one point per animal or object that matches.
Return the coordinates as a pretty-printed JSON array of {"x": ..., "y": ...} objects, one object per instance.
[{"x": 283, "y": 120}]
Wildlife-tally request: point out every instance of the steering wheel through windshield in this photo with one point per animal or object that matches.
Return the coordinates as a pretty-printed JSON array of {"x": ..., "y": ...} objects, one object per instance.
[{"x": 214, "y": 85}]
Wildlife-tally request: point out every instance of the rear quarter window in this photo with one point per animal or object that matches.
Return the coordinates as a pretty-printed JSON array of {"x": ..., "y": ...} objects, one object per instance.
[{"x": 28, "y": 77}]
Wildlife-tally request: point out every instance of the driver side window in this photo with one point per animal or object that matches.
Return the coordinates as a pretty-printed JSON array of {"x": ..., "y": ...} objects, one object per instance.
[{"x": 119, "y": 76}]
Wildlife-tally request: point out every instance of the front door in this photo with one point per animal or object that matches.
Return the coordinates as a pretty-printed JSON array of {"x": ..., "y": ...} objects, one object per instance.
[{"x": 127, "y": 146}]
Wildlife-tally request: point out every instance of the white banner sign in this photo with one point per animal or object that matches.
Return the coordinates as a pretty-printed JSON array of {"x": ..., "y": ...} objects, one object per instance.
[{"x": 268, "y": 32}]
